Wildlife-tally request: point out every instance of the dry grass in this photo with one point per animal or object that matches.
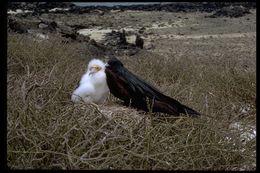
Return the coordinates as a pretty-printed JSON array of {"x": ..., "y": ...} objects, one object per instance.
[{"x": 47, "y": 131}]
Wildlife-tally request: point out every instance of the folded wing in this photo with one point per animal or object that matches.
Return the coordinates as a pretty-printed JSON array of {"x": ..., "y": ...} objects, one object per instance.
[{"x": 135, "y": 91}]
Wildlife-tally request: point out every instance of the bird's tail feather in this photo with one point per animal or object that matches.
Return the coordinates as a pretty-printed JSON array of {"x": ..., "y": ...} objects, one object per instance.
[
  {"x": 186, "y": 110},
  {"x": 180, "y": 108}
]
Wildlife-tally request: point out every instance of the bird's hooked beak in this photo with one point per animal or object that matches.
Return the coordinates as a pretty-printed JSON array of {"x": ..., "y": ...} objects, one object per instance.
[{"x": 94, "y": 69}]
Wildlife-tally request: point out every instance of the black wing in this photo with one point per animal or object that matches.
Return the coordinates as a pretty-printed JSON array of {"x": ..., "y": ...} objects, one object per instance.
[{"x": 125, "y": 85}]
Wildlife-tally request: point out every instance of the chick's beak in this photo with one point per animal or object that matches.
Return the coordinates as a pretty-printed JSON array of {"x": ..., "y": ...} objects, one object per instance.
[{"x": 91, "y": 71}]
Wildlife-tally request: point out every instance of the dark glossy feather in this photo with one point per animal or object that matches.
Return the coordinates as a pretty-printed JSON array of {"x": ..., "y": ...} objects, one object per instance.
[{"x": 134, "y": 91}]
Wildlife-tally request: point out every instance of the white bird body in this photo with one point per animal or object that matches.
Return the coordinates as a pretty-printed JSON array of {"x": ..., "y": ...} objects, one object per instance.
[{"x": 92, "y": 86}]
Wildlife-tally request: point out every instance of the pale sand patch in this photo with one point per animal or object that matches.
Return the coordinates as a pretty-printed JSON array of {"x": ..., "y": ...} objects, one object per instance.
[
  {"x": 99, "y": 34},
  {"x": 95, "y": 33},
  {"x": 114, "y": 11},
  {"x": 58, "y": 9},
  {"x": 19, "y": 11},
  {"x": 131, "y": 39},
  {"x": 164, "y": 25},
  {"x": 133, "y": 11}
]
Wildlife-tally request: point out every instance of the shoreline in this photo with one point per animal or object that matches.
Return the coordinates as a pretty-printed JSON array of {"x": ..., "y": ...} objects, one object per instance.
[{"x": 43, "y": 7}]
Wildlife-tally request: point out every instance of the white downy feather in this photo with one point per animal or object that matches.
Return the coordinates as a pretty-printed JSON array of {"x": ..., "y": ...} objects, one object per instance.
[{"x": 93, "y": 85}]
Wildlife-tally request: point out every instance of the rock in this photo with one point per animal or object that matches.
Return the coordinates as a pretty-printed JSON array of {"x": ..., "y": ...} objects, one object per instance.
[
  {"x": 48, "y": 25},
  {"x": 131, "y": 52},
  {"x": 79, "y": 10},
  {"x": 149, "y": 46},
  {"x": 64, "y": 29},
  {"x": 139, "y": 42},
  {"x": 31, "y": 6},
  {"x": 122, "y": 38},
  {"x": 99, "y": 12},
  {"x": 41, "y": 7},
  {"x": 82, "y": 38},
  {"x": 53, "y": 25},
  {"x": 96, "y": 44},
  {"x": 116, "y": 38},
  {"x": 38, "y": 36},
  {"x": 72, "y": 36},
  {"x": 67, "y": 32},
  {"x": 231, "y": 11},
  {"x": 21, "y": 15},
  {"x": 51, "y": 5},
  {"x": 21, "y": 5},
  {"x": 42, "y": 26},
  {"x": 141, "y": 30},
  {"x": 93, "y": 42},
  {"x": 17, "y": 26},
  {"x": 116, "y": 42},
  {"x": 78, "y": 26}
]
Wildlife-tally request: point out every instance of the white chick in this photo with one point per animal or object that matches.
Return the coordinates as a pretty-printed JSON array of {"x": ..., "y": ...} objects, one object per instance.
[{"x": 93, "y": 84}]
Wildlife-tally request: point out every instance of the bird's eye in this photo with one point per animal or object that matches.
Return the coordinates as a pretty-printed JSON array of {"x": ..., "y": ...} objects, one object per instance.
[{"x": 98, "y": 68}]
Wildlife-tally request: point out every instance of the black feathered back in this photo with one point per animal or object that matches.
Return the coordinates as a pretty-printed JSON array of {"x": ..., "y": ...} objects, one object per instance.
[{"x": 135, "y": 91}]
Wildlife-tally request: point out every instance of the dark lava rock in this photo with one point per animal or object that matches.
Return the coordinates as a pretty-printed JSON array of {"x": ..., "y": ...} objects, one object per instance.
[
  {"x": 53, "y": 24},
  {"x": 17, "y": 26},
  {"x": 116, "y": 42},
  {"x": 75, "y": 37},
  {"x": 42, "y": 5},
  {"x": 139, "y": 42},
  {"x": 141, "y": 30},
  {"x": 117, "y": 39},
  {"x": 231, "y": 11},
  {"x": 82, "y": 38},
  {"x": 49, "y": 25},
  {"x": 190, "y": 6},
  {"x": 67, "y": 32},
  {"x": 79, "y": 10},
  {"x": 70, "y": 34},
  {"x": 97, "y": 45},
  {"x": 122, "y": 38},
  {"x": 78, "y": 26},
  {"x": 20, "y": 5},
  {"x": 39, "y": 7},
  {"x": 50, "y": 5}
]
